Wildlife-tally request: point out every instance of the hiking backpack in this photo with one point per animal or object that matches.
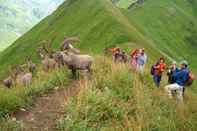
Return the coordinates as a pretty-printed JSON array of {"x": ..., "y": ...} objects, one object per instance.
[
  {"x": 190, "y": 79},
  {"x": 152, "y": 71}
]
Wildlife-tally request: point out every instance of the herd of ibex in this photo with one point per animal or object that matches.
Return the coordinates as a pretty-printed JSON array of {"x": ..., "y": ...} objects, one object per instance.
[{"x": 50, "y": 59}]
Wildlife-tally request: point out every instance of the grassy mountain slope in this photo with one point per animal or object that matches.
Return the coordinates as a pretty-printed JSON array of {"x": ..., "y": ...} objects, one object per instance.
[
  {"x": 98, "y": 24},
  {"x": 167, "y": 28},
  {"x": 161, "y": 25},
  {"x": 119, "y": 99},
  {"x": 169, "y": 24}
]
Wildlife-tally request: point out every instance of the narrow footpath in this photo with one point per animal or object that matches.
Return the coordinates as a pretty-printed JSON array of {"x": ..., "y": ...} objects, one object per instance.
[{"x": 46, "y": 110}]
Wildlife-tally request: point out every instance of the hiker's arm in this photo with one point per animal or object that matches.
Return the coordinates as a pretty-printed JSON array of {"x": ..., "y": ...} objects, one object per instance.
[
  {"x": 185, "y": 76},
  {"x": 145, "y": 58},
  {"x": 157, "y": 66},
  {"x": 178, "y": 74}
]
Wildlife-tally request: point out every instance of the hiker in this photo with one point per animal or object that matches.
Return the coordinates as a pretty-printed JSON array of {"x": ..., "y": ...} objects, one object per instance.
[
  {"x": 141, "y": 60},
  {"x": 157, "y": 71},
  {"x": 115, "y": 51},
  {"x": 133, "y": 55},
  {"x": 172, "y": 69},
  {"x": 181, "y": 78},
  {"x": 124, "y": 57}
]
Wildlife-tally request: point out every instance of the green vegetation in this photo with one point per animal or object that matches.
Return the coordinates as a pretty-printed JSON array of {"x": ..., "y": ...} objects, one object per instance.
[
  {"x": 10, "y": 125},
  {"x": 19, "y": 96},
  {"x": 159, "y": 26},
  {"x": 97, "y": 23},
  {"x": 168, "y": 23},
  {"x": 124, "y": 100},
  {"x": 120, "y": 99},
  {"x": 22, "y": 97}
]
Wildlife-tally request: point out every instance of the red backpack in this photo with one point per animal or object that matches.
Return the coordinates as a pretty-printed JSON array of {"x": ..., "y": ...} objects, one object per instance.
[{"x": 190, "y": 79}]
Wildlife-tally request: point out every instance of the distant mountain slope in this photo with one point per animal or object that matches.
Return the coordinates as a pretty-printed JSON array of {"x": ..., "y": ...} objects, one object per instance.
[
  {"x": 162, "y": 27},
  {"x": 17, "y": 16},
  {"x": 170, "y": 24}
]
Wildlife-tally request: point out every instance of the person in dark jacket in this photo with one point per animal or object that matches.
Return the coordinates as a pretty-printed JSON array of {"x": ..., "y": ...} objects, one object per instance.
[
  {"x": 181, "y": 78},
  {"x": 172, "y": 70}
]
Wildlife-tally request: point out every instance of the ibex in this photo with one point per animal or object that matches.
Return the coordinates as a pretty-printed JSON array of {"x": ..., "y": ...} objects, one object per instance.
[
  {"x": 47, "y": 61},
  {"x": 30, "y": 65},
  {"x": 9, "y": 81},
  {"x": 77, "y": 62},
  {"x": 25, "y": 78}
]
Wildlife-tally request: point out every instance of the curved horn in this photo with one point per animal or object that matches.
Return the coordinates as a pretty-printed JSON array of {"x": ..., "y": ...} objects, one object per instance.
[{"x": 67, "y": 41}]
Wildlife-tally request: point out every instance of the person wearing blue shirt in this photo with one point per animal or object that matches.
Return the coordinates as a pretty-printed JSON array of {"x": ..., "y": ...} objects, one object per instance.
[
  {"x": 181, "y": 77},
  {"x": 172, "y": 70},
  {"x": 141, "y": 60}
]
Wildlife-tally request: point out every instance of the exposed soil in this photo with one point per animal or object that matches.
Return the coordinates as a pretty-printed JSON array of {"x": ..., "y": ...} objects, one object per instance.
[{"x": 47, "y": 109}]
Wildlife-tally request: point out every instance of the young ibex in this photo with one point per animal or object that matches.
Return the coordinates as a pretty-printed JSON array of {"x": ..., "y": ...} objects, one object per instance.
[
  {"x": 48, "y": 62},
  {"x": 25, "y": 78},
  {"x": 9, "y": 81},
  {"x": 30, "y": 65}
]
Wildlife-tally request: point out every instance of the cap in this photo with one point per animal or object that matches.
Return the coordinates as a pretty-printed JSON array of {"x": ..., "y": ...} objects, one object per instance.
[
  {"x": 174, "y": 62},
  {"x": 184, "y": 62}
]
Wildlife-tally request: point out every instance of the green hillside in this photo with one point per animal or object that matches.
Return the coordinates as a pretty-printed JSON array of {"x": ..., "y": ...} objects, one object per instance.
[
  {"x": 160, "y": 26},
  {"x": 98, "y": 24},
  {"x": 171, "y": 25},
  {"x": 120, "y": 99}
]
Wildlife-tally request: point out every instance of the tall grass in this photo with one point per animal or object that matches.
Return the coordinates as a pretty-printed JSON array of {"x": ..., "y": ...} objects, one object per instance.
[
  {"x": 21, "y": 97},
  {"x": 7, "y": 124},
  {"x": 115, "y": 98}
]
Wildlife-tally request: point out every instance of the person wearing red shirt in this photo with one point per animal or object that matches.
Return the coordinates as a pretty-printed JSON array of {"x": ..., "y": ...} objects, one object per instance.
[
  {"x": 133, "y": 55},
  {"x": 159, "y": 68}
]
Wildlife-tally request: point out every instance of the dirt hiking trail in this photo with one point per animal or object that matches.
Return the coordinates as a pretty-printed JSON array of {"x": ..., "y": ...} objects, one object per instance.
[{"x": 46, "y": 110}]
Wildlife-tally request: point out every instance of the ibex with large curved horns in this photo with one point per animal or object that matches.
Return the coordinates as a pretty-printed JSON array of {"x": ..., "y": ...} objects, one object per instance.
[
  {"x": 76, "y": 62},
  {"x": 68, "y": 45}
]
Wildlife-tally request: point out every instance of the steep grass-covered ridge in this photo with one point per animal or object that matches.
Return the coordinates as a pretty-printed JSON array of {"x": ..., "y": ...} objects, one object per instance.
[
  {"x": 123, "y": 99},
  {"x": 163, "y": 27}
]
